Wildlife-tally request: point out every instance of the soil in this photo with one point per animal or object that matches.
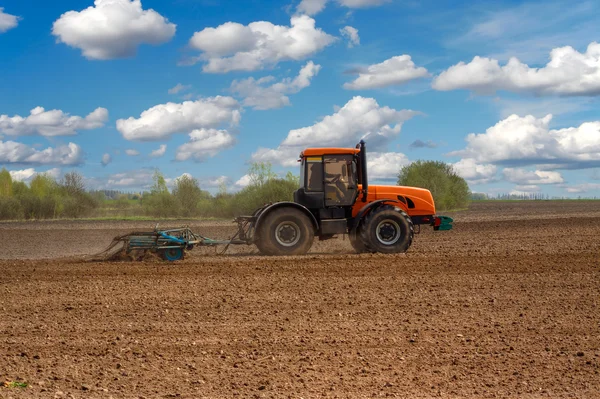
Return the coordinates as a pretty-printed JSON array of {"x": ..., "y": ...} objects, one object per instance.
[{"x": 507, "y": 304}]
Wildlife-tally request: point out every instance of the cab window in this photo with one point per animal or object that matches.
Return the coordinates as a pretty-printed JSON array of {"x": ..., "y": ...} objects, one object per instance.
[{"x": 314, "y": 174}]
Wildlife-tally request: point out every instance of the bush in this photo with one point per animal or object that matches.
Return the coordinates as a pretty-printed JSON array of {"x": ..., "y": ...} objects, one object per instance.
[
  {"x": 257, "y": 195},
  {"x": 10, "y": 209},
  {"x": 449, "y": 190}
]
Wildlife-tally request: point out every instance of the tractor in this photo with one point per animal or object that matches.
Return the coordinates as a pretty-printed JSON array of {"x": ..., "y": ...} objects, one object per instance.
[{"x": 335, "y": 198}]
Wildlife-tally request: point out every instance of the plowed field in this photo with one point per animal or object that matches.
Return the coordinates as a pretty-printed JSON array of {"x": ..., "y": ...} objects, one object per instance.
[{"x": 505, "y": 305}]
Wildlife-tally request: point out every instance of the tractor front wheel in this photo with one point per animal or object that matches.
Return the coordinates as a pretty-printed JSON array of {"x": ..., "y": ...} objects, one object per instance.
[
  {"x": 285, "y": 231},
  {"x": 387, "y": 230},
  {"x": 358, "y": 244}
]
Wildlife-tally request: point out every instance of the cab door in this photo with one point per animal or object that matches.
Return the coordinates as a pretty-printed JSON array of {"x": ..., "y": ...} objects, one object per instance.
[{"x": 339, "y": 180}]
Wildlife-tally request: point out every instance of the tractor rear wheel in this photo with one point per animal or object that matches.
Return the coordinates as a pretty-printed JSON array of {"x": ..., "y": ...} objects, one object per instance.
[
  {"x": 285, "y": 231},
  {"x": 387, "y": 229}
]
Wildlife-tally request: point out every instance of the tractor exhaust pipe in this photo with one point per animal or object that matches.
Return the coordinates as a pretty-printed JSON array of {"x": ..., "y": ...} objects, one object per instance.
[{"x": 363, "y": 169}]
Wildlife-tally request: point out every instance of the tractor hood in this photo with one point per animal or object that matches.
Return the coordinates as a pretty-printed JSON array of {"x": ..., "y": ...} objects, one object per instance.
[{"x": 418, "y": 201}]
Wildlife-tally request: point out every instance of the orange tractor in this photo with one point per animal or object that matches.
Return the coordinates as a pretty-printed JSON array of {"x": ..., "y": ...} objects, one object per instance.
[{"x": 335, "y": 198}]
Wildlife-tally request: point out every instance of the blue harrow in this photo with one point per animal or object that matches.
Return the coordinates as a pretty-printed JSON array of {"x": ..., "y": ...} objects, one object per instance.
[{"x": 169, "y": 244}]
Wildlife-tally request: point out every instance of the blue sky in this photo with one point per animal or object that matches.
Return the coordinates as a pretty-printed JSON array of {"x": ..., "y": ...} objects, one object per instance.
[{"x": 507, "y": 92}]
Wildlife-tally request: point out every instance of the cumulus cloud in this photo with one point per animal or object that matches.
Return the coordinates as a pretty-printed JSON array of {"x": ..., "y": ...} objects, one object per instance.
[
  {"x": 475, "y": 173},
  {"x": 360, "y": 118},
  {"x": 178, "y": 88},
  {"x": 7, "y": 21},
  {"x": 112, "y": 29},
  {"x": 529, "y": 141},
  {"x": 132, "y": 152},
  {"x": 106, "y": 159},
  {"x": 244, "y": 181},
  {"x": 160, "y": 151},
  {"x": 351, "y": 34},
  {"x": 568, "y": 73},
  {"x": 19, "y": 153},
  {"x": 164, "y": 120},
  {"x": 385, "y": 165},
  {"x": 24, "y": 174},
  {"x": 394, "y": 71},
  {"x": 261, "y": 97},
  {"x": 236, "y": 47},
  {"x": 527, "y": 177},
  {"x": 204, "y": 143},
  {"x": 51, "y": 123}
]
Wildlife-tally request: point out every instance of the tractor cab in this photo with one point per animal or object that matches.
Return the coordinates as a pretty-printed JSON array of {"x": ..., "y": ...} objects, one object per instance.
[{"x": 329, "y": 178}]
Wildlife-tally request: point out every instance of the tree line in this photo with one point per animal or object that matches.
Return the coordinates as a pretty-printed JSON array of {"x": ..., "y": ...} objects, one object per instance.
[{"x": 49, "y": 198}]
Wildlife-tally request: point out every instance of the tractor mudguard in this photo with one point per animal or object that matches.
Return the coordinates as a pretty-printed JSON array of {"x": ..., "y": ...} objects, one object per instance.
[
  {"x": 267, "y": 209},
  {"x": 370, "y": 206}
]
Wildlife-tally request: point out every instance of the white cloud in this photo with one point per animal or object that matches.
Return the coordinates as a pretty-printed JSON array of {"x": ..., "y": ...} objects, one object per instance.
[
  {"x": 132, "y": 152},
  {"x": 51, "y": 123},
  {"x": 19, "y": 153},
  {"x": 204, "y": 143},
  {"x": 385, "y": 165},
  {"x": 529, "y": 141},
  {"x": 351, "y": 34},
  {"x": 311, "y": 7},
  {"x": 163, "y": 120},
  {"x": 106, "y": 159},
  {"x": 160, "y": 151},
  {"x": 261, "y": 97},
  {"x": 244, "y": 181},
  {"x": 285, "y": 156},
  {"x": 213, "y": 182},
  {"x": 7, "y": 21},
  {"x": 137, "y": 178},
  {"x": 582, "y": 188},
  {"x": 112, "y": 29},
  {"x": 475, "y": 173},
  {"x": 236, "y": 47},
  {"x": 568, "y": 73},
  {"x": 360, "y": 118},
  {"x": 525, "y": 190},
  {"x": 394, "y": 71},
  {"x": 179, "y": 88},
  {"x": 20, "y": 175},
  {"x": 527, "y": 177}
]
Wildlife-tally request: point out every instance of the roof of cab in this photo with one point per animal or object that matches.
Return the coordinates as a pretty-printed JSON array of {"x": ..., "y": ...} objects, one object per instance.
[{"x": 311, "y": 152}]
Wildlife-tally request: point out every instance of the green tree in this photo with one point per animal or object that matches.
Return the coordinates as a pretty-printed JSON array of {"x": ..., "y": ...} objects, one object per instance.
[
  {"x": 188, "y": 194},
  {"x": 160, "y": 184},
  {"x": 5, "y": 183},
  {"x": 160, "y": 202},
  {"x": 260, "y": 173},
  {"x": 76, "y": 201},
  {"x": 449, "y": 190}
]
